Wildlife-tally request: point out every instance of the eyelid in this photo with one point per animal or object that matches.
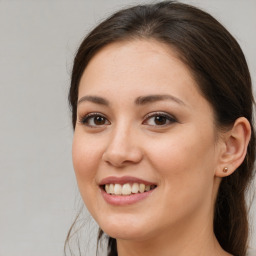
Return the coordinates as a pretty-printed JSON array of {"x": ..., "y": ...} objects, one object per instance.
[
  {"x": 83, "y": 118},
  {"x": 170, "y": 117}
]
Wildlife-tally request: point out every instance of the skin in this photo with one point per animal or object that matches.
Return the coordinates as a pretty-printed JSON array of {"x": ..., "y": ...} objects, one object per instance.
[{"x": 184, "y": 157}]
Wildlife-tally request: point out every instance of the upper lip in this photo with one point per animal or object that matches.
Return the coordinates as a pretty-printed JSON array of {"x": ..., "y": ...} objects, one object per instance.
[{"x": 123, "y": 180}]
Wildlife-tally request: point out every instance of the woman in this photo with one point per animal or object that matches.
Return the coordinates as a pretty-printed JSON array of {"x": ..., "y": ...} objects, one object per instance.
[{"x": 164, "y": 144}]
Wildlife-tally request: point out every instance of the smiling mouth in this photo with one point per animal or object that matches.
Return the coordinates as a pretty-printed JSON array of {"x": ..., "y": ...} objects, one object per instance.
[{"x": 126, "y": 189}]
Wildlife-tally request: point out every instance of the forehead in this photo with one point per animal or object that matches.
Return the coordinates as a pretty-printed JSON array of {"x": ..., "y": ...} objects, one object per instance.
[
  {"x": 135, "y": 54},
  {"x": 137, "y": 67}
]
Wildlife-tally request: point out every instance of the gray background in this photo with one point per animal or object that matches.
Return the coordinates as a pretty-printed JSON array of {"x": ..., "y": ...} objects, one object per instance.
[{"x": 38, "y": 39}]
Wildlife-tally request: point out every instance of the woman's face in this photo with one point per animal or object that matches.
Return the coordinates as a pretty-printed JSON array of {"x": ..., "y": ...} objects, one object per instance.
[{"x": 143, "y": 124}]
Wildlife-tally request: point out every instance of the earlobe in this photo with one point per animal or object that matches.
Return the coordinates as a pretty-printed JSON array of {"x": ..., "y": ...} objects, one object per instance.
[{"x": 234, "y": 151}]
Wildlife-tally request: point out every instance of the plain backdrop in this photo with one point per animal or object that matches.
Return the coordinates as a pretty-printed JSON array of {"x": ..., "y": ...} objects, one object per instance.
[{"x": 38, "y": 39}]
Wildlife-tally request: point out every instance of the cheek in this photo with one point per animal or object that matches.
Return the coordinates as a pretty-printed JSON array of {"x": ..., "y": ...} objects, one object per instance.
[
  {"x": 178, "y": 154},
  {"x": 185, "y": 163},
  {"x": 186, "y": 179},
  {"x": 86, "y": 157}
]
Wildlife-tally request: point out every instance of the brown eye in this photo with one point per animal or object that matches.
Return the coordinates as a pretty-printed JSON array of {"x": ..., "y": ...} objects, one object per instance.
[
  {"x": 99, "y": 120},
  {"x": 159, "y": 119},
  {"x": 94, "y": 120}
]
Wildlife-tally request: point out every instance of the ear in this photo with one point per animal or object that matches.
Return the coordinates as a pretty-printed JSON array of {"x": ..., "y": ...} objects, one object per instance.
[{"x": 233, "y": 147}]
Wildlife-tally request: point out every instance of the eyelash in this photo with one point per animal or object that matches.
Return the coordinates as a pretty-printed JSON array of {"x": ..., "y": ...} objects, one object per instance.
[
  {"x": 171, "y": 119},
  {"x": 85, "y": 119}
]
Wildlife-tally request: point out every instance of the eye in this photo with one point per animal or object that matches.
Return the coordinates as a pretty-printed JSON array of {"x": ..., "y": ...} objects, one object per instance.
[
  {"x": 159, "y": 119},
  {"x": 94, "y": 120}
]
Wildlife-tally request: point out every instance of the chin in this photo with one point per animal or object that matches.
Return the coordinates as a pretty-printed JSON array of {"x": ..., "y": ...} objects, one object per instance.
[
  {"x": 124, "y": 229},
  {"x": 125, "y": 234}
]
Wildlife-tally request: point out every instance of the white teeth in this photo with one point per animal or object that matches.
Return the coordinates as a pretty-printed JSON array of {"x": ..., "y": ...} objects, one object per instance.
[
  {"x": 142, "y": 188},
  {"x": 135, "y": 188},
  {"x": 118, "y": 189},
  {"x": 111, "y": 189},
  {"x": 127, "y": 189}
]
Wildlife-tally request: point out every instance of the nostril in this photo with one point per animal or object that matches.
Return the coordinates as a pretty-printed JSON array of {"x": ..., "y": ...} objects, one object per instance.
[{"x": 122, "y": 157}]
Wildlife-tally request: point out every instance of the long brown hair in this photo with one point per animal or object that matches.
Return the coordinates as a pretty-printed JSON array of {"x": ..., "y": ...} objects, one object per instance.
[{"x": 218, "y": 65}]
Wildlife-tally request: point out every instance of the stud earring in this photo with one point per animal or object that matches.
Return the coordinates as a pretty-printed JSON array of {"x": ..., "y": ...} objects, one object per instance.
[{"x": 225, "y": 169}]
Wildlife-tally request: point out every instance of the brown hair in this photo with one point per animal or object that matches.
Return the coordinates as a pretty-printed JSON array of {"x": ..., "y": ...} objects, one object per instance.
[{"x": 220, "y": 69}]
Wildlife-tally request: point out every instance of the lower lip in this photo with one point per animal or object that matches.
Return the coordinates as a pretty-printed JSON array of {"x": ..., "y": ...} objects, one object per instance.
[{"x": 125, "y": 200}]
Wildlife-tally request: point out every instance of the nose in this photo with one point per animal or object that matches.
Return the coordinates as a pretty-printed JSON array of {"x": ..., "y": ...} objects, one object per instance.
[{"x": 123, "y": 148}]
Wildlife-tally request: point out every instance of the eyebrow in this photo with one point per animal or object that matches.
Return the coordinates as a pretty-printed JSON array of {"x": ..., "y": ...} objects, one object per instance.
[
  {"x": 94, "y": 99},
  {"x": 142, "y": 100},
  {"x": 153, "y": 98}
]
